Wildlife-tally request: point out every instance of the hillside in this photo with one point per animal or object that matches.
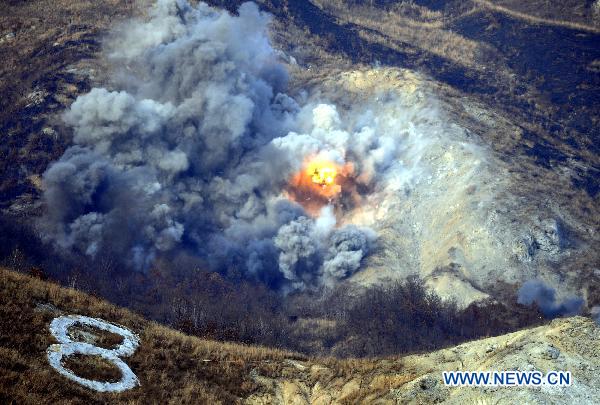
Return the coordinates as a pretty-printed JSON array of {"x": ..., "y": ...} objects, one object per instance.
[
  {"x": 519, "y": 83},
  {"x": 161, "y": 155},
  {"x": 175, "y": 368}
]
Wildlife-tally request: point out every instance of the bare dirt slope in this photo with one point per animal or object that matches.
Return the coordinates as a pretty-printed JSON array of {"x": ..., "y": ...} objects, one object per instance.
[
  {"x": 175, "y": 368},
  {"x": 523, "y": 79}
]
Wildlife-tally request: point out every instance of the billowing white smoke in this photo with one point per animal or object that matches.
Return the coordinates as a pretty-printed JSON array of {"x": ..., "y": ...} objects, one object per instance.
[{"x": 195, "y": 145}]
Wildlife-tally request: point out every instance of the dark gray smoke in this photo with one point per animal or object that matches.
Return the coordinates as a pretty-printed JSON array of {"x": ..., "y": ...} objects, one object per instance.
[
  {"x": 305, "y": 244},
  {"x": 535, "y": 291},
  {"x": 191, "y": 149}
]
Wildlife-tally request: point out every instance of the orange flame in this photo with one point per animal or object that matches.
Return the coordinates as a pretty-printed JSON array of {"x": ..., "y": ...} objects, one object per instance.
[
  {"x": 323, "y": 174},
  {"x": 318, "y": 183}
]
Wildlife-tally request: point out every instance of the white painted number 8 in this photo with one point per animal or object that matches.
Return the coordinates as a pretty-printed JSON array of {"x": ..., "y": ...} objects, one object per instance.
[{"x": 67, "y": 347}]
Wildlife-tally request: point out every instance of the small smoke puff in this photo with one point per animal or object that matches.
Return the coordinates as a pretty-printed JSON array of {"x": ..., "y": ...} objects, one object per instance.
[
  {"x": 169, "y": 237},
  {"x": 86, "y": 232},
  {"x": 101, "y": 115},
  {"x": 535, "y": 291},
  {"x": 173, "y": 161},
  {"x": 163, "y": 26},
  {"x": 595, "y": 312}
]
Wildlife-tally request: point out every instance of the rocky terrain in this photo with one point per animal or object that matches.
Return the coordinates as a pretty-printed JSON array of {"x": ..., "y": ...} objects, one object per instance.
[{"x": 419, "y": 379}]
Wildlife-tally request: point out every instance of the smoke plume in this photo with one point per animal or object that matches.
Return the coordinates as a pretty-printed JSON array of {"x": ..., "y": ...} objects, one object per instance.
[
  {"x": 191, "y": 149},
  {"x": 193, "y": 143},
  {"x": 535, "y": 291}
]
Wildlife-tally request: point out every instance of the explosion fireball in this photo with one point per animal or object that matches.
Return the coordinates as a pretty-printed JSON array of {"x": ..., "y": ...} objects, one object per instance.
[
  {"x": 323, "y": 174},
  {"x": 318, "y": 183}
]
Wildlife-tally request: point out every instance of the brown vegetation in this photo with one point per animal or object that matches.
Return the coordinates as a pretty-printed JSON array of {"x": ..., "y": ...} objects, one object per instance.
[
  {"x": 409, "y": 24},
  {"x": 171, "y": 367}
]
